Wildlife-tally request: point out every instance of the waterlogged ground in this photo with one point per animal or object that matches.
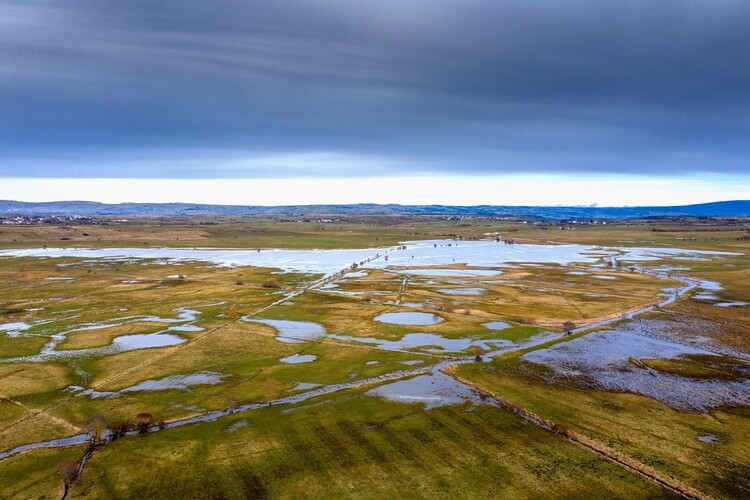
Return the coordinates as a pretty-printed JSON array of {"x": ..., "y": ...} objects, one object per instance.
[
  {"x": 625, "y": 359},
  {"x": 191, "y": 337},
  {"x": 416, "y": 253},
  {"x": 431, "y": 390}
]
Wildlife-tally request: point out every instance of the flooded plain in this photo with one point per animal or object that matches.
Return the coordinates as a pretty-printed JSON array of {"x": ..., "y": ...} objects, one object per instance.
[
  {"x": 435, "y": 253},
  {"x": 49, "y": 352},
  {"x": 617, "y": 360},
  {"x": 612, "y": 359},
  {"x": 176, "y": 382},
  {"x": 302, "y": 331}
]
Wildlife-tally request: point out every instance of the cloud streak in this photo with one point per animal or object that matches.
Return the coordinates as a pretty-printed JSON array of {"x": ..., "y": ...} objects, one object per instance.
[{"x": 136, "y": 88}]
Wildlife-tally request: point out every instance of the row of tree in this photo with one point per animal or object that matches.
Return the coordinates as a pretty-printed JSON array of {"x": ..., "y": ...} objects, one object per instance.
[{"x": 100, "y": 427}]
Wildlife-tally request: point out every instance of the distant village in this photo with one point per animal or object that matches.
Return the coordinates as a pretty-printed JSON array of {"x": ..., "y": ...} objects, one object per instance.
[{"x": 26, "y": 220}]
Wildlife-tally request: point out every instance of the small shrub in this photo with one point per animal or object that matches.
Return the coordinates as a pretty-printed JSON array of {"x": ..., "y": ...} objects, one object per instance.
[
  {"x": 143, "y": 421},
  {"x": 120, "y": 427},
  {"x": 559, "y": 429}
]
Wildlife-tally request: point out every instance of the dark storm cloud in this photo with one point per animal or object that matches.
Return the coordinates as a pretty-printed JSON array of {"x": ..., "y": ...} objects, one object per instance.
[{"x": 258, "y": 89}]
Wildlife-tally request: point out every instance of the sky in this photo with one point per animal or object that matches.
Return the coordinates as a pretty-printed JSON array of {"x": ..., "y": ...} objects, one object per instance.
[{"x": 464, "y": 102}]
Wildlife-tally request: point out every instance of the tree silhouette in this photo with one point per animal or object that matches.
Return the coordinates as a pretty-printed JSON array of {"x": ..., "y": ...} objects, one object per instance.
[{"x": 569, "y": 326}]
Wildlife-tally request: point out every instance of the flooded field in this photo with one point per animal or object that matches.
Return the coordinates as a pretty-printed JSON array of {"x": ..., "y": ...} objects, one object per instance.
[
  {"x": 49, "y": 352},
  {"x": 432, "y": 391},
  {"x": 617, "y": 360},
  {"x": 301, "y": 331},
  {"x": 184, "y": 338},
  {"x": 177, "y": 382},
  {"x": 417, "y": 253}
]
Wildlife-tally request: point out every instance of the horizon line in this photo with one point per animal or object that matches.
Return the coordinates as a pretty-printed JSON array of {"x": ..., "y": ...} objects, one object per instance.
[{"x": 448, "y": 205}]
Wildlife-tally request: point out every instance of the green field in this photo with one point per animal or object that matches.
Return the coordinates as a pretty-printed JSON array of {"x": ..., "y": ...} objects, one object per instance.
[{"x": 64, "y": 364}]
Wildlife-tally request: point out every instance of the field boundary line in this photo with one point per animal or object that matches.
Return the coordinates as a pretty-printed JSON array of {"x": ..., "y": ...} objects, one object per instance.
[{"x": 622, "y": 459}]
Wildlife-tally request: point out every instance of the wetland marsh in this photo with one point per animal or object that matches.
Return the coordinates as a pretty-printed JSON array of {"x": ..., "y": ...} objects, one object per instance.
[{"x": 379, "y": 356}]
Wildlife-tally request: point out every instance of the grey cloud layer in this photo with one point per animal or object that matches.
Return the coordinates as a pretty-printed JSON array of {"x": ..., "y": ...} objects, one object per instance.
[{"x": 259, "y": 89}]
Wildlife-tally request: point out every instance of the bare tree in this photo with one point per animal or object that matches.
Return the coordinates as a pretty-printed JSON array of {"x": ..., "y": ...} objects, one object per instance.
[
  {"x": 143, "y": 421},
  {"x": 97, "y": 426},
  {"x": 477, "y": 352},
  {"x": 120, "y": 427},
  {"x": 569, "y": 326}
]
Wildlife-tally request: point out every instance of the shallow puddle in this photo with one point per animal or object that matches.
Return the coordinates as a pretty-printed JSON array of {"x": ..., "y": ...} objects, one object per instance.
[
  {"x": 185, "y": 328},
  {"x": 178, "y": 382},
  {"x": 413, "y": 305},
  {"x": 304, "y": 386},
  {"x": 496, "y": 325},
  {"x": 409, "y": 318},
  {"x": 145, "y": 341},
  {"x": 433, "y": 390},
  {"x": 356, "y": 274},
  {"x": 14, "y": 329},
  {"x": 708, "y": 438},
  {"x": 462, "y": 291},
  {"x": 467, "y": 273},
  {"x": 292, "y": 332},
  {"x": 430, "y": 342},
  {"x": 299, "y": 358}
]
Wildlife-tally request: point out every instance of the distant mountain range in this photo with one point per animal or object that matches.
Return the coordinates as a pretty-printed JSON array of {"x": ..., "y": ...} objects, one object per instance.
[{"x": 88, "y": 208}]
